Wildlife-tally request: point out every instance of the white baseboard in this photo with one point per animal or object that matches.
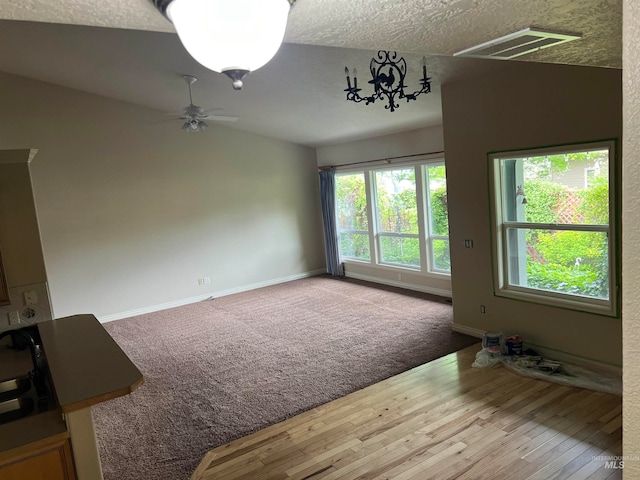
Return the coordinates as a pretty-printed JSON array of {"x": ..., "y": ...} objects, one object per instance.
[
  {"x": 547, "y": 352},
  {"x": 474, "y": 332},
  {"x": 561, "y": 356},
  {"x": 200, "y": 298},
  {"x": 408, "y": 286}
]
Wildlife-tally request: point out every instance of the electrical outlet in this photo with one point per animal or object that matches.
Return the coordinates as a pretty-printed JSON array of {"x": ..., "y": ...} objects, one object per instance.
[
  {"x": 207, "y": 280},
  {"x": 14, "y": 318},
  {"x": 468, "y": 244},
  {"x": 201, "y": 281},
  {"x": 30, "y": 297},
  {"x": 483, "y": 309}
]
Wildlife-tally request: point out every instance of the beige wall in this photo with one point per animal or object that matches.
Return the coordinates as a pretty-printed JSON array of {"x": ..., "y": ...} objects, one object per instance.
[
  {"x": 631, "y": 236},
  {"x": 19, "y": 234},
  {"x": 133, "y": 210},
  {"x": 521, "y": 106},
  {"x": 413, "y": 142}
]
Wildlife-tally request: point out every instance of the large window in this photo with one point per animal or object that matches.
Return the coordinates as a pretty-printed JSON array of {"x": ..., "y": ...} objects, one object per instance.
[
  {"x": 554, "y": 236},
  {"x": 395, "y": 217}
]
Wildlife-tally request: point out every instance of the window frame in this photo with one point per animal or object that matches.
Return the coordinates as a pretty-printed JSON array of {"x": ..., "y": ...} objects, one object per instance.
[
  {"x": 367, "y": 232},
  {"x": 500, "y": 226},
  {"x": 379, "y": 234},
  {"x": 424, "y": 235},
  {"x": 430, "y": 236}
]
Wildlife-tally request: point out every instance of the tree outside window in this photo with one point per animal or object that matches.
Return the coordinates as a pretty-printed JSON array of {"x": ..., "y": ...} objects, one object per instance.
[
  {"x": 554, "y": 235},
  {"x": 353, "y": 223},
  {"x": 399, "y": 213},
  {"x": 397, "y": 216}
]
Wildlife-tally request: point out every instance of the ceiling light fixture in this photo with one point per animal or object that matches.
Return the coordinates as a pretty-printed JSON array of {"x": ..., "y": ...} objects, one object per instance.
[
  {"x": 233, "y": 37},
  {"x": 194, "y": 125},
  {"x": 387, "y": 78}
]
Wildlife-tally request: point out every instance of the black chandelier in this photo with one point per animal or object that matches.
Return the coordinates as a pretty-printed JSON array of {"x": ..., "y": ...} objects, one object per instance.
[{"x": 387, "y": 77}]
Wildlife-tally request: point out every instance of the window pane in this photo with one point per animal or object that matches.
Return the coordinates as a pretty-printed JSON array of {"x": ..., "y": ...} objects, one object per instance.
[
  {"x": 351, "y": 202},
  {"x": 352, "y": 220},
  {"x": 562, "y": 261},
  {"x": 571, "y": 188},
  {"x": 355, "y": 245},
  {"x": 397, "y": 208},
  {"x": 437, "y": 188},
  {"x": 400, "y": 250},
  {"x": 441, "y": 259}
]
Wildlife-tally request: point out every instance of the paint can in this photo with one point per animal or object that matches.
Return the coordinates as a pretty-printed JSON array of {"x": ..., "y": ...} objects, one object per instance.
[
  {"x": 492, "y": 339},
  {"x": 514, "y": 345}
]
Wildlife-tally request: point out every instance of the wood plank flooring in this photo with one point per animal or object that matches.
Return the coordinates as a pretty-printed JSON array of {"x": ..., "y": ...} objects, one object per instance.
[{"x": 441, "y": 420}]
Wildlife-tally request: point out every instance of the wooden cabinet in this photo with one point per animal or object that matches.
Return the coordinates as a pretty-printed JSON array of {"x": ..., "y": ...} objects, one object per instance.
[
  {"x": 4, "y": 289},
  {"x": 44, "y": 460}
]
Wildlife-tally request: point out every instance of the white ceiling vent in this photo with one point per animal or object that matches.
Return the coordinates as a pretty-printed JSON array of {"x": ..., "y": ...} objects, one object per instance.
[{"x": 517, "y": 44}]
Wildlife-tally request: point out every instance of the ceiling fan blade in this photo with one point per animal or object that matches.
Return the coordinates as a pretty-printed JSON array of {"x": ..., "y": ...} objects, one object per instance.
[{"x": 223, "y": 118}]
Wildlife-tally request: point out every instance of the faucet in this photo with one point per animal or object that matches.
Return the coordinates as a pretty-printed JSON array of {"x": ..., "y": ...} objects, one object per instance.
[{"x": 30, "y": 343}]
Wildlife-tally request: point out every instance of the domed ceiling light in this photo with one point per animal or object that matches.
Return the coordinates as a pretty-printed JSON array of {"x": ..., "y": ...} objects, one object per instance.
[{"x": 233, "y": 37}]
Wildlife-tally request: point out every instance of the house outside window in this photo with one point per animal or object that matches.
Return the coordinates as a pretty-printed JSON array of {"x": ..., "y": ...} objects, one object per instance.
[
  {"x": 553, "y": 231},
  {"x": 395, "y": 217}
]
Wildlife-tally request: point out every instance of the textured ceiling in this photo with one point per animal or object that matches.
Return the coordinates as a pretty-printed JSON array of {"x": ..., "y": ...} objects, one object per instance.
[
  {"x": 446, "y": 26},
  {"x": 298, "y": 96},
  {"x": 422, "y": 26}
]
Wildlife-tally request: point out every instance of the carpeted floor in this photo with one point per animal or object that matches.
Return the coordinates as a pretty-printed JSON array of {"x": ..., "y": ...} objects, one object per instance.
[{"x": 220, "y": 369}]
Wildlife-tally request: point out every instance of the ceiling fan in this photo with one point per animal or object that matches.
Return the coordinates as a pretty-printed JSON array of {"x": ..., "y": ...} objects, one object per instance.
[{"x": 194, "y": 116}]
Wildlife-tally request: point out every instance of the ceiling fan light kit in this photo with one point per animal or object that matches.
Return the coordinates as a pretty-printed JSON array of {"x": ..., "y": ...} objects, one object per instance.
[
  {"x": 194, "y": 125},
  {"x": 387, "y": 77},
  {"x": 194, "y": 116},
  {"x": 233, "y": 37}
]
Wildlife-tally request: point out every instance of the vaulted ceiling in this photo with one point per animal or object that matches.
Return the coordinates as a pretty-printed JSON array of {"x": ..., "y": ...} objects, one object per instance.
[{"x": 127, "y": 50}]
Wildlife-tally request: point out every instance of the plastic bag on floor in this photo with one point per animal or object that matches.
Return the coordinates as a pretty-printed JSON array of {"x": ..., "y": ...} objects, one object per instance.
[
  {"x": 593, "y": 378},
  {"x": 487, "y": 357}
]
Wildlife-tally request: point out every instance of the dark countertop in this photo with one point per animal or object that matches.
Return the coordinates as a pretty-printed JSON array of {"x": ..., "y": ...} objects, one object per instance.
[{"x": 86, "y": 367}]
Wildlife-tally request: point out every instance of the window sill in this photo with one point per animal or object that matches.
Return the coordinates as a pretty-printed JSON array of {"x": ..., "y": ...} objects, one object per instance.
[
  {"x": 397, "y": 268},
  {"x": 587, "y": 305}
]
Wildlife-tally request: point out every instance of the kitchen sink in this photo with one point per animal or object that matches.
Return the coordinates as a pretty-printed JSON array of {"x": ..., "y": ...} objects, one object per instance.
[
  {"x": 15, "y": 409},
  {"x": 31, "y": 392},
  {"x": 14, "y": 388},
  {"x": 24, "y": 396}
]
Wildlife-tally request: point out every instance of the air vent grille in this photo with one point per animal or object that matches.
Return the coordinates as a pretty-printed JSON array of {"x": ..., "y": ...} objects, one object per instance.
[{"x": 516, "y": 44}]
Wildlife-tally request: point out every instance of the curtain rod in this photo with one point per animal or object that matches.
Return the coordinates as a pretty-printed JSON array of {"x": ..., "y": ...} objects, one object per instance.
[{"x": 388, "y": 160}]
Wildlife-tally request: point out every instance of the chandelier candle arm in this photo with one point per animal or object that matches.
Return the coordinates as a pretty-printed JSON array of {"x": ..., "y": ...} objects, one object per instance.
[{"x": 387, "y": 77}]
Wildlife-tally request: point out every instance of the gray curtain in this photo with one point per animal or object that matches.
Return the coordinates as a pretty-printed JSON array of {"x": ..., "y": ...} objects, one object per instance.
[{"x": 328, "y": 199}]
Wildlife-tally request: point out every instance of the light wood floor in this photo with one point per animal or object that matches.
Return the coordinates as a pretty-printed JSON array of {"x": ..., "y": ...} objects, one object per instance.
[{"x": 442, "y": 420}]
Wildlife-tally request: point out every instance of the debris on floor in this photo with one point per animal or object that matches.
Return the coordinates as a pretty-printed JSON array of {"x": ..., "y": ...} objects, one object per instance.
[{"x": 528, "y": 363}]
